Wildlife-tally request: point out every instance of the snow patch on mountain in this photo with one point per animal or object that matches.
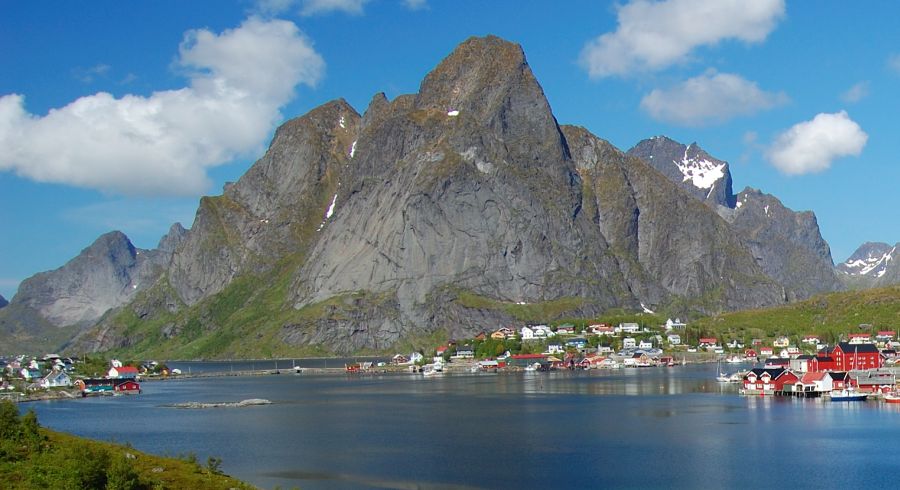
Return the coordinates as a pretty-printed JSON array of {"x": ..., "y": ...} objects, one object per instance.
[
  {"x": 873, "y": 264},
  {"x": 700, "y": 171}
]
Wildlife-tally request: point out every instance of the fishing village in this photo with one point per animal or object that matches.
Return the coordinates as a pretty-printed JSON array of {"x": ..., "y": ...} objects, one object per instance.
[{"x": 859, "y": 366}]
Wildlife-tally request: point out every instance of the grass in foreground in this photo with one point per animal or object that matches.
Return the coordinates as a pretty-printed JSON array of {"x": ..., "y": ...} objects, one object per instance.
[{"x": 34, "y": 457}]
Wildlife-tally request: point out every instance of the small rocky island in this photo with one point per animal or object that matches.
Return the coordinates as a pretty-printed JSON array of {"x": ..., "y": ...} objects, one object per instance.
[{"x": 243, "y": 403}]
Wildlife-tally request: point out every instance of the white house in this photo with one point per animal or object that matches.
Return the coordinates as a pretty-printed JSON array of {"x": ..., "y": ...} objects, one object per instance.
[
  {"x": 629, "y": 327},
  {"x": 677, "y": 324},
  {"x": 543, "y": 331},
  {"x": 555, "y": 349},
  {"x": 645, "y": 344},
  {"x": 674, "y": 339},
  {"x": 810, "y": 339},
  {"x": 56, "y": 378},
  {"x": 415, "y": 357},
  {"x": 629, "y": 342},
  {"x": 526, "y": 333}
]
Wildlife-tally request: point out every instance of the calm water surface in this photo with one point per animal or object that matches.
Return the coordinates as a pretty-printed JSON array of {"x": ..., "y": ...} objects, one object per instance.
[{"x": 645, "y": 428}]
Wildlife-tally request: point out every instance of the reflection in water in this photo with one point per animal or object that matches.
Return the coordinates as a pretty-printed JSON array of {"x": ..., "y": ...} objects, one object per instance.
[{"x": 647, "y": 428}]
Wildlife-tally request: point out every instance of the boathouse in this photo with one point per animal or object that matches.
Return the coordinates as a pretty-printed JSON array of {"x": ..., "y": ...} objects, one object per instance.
[{"x": 769, "y": 381}]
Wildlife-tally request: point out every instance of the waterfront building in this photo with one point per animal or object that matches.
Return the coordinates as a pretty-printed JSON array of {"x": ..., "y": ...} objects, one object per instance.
[{"x": 848, "y": 356}]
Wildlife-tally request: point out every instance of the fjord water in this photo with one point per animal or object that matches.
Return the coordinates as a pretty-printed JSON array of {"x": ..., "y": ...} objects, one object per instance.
[{"x": 635, "y": 428}]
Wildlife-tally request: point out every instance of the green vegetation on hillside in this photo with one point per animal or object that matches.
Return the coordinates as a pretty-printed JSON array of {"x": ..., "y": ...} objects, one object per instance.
[
  {"x": 829, "y": 315},
  {"x": 34, "y": 457}
]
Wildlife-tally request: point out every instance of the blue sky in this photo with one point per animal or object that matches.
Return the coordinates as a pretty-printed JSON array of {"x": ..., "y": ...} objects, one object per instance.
[{"x": 120, "y": 115}]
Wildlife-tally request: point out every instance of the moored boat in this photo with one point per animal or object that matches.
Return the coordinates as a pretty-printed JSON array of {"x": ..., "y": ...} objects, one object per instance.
[
  {"x": 892, "y": 398},
  {"x": 848, "y": 396}
]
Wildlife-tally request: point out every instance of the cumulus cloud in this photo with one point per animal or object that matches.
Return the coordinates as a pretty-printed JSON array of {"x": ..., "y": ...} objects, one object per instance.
[
  {"x": 709, "y": 98},
  {"x": 811, "y": 146},
  {"x": 163, "y": 143},
  {"x": 653, "y": 35},
  {"x": 856, "y": 93}
]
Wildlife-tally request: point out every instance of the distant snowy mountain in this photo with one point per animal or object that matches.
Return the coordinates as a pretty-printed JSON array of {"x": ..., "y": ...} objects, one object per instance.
[
  {"x": 872, "y": 265},
  {"x": 705, "y": 177}
]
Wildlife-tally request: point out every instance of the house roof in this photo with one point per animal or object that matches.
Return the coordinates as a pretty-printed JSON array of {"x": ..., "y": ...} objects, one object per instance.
[
  {"x": 839, "y": 375},
  {"x": 528, "y": 356},
  {"x": 127, "y": 369},
  {"x": 885, "y": 333},
  {"x": 805, "y": 357},
  {"x": 812, "y": 376},
  {"x": 847, "y": 348}
]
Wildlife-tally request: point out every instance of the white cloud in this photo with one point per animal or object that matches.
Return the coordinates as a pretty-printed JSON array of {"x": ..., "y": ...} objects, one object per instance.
[
  {"x": 811, "y": 146},
  {"x": 654, "y": 35},
  {"x": 313, "y": 7},
  {"x": 709, "y": 98},
  {"x": 88, "y": 75},
  {"x": 163, "y": 144},
  {"x": 856, "y": 93}
]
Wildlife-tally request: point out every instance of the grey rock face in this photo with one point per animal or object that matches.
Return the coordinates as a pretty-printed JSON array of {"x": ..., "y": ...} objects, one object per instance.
[
  {"x": 467, "y": 185},
  {"x": 267, "y": 214},
  {"x": 3, "y": 301},
  {"x": 670, "y": 244},
  {"x": 104, "y": 275},
  {"x": 786, "y": 244},
  {"x": 703, "y": 176}
]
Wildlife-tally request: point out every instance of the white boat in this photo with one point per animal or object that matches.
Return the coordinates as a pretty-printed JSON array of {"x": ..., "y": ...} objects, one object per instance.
[
  {"x": 848, "y": 396},
  {"x": 734, "y": 359}
]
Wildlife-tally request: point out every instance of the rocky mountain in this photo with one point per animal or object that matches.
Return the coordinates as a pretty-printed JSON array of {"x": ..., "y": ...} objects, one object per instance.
[
  {"x": 704, "y": 177},
  {"x": 3, "y": 301},
  {"x": 450, "y": 211},
  {"x": 871, "y": 265},
  {"x": 786, "y": 244},
  {"x": 105, "y": 275}
]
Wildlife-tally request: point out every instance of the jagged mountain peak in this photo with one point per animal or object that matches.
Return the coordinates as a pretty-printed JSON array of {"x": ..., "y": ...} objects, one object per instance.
[
  {"x": 705, "y": 177},
  {"x": 3, "y": 301},
  {"x": 871, "y": 259},
  {"x": 477, "y": 65}
]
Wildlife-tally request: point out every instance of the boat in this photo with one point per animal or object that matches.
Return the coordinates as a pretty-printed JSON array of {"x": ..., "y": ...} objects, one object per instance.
[
  {"x": 721, "y": 377},
  {"x": 848, "y": 396},
  {"x": 892, "y": 398},
  {"x": 735, "y": 359}
]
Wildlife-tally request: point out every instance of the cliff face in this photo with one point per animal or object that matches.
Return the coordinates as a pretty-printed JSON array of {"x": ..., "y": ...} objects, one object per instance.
[
  {"x": 787, "y": 245},
  {"x": 467, "y": 185},
  {"x": 268, "y": 213},
  {"x": 105, "y": 275},
  {"x": 670, "y": 244}
]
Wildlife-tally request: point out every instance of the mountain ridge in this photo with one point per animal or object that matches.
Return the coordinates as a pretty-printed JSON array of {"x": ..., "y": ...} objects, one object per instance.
[{"x": 457, "y": 209}]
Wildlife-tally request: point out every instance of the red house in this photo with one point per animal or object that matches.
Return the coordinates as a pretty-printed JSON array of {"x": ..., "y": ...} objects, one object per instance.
[
  {"x": 767, "y": 381},
  {"x": 839, "y": 380},
  {"x": 821, "y": 363},
  {"x": 129, "y": 387},
  {"x": 849, "y": 356},
  {"x": 766, "y": 351},
  {"x": 750, "y": 354},
  {"x": 708, "y": 341}
]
